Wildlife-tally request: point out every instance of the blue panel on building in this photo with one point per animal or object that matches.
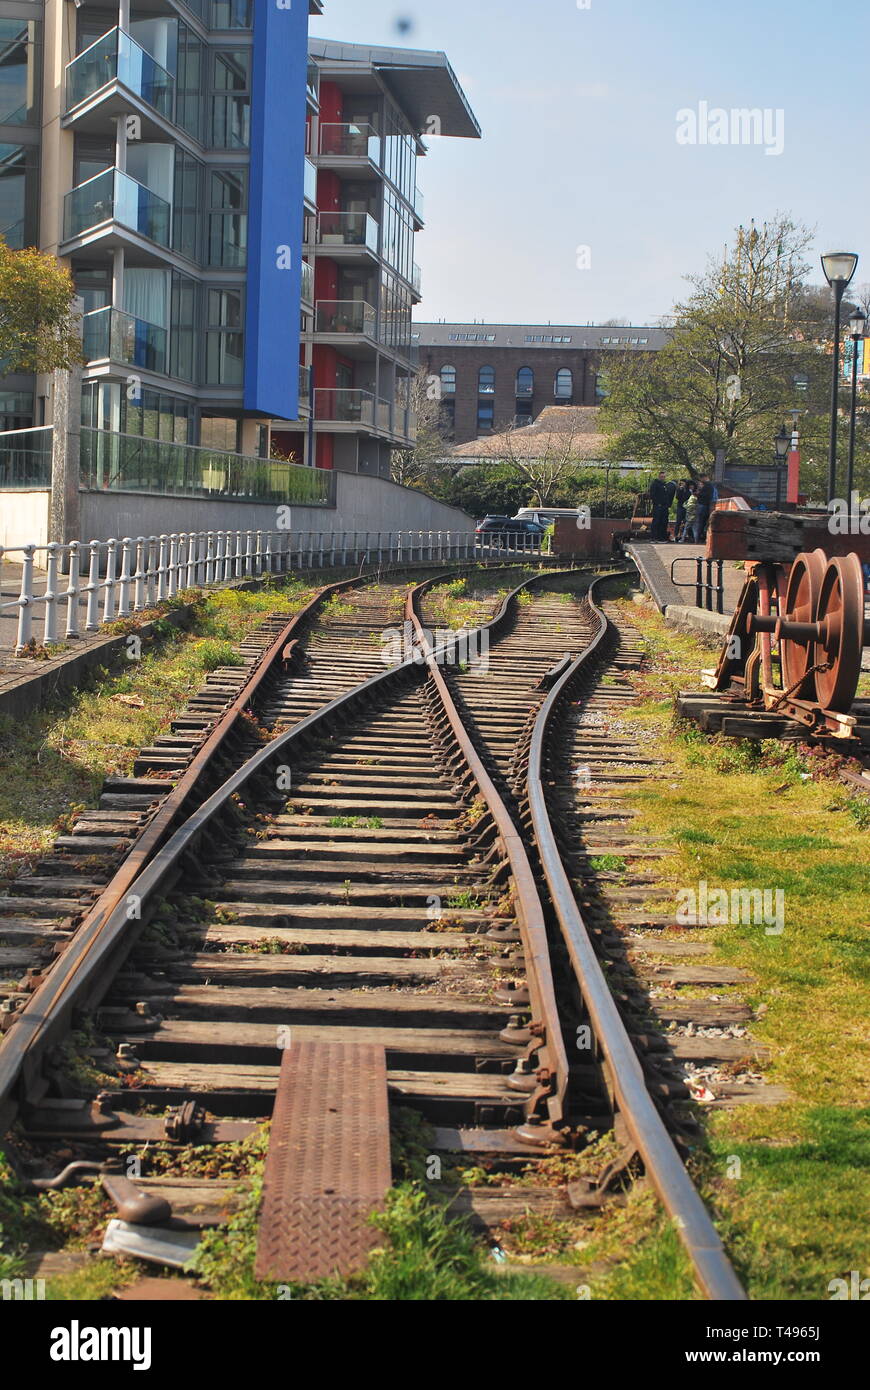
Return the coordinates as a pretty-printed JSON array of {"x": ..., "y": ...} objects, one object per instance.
[{"x": 274, "y": 283}]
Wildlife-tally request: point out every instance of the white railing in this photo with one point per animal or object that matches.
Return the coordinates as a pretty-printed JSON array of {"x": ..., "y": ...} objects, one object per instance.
[{"x": 84, "y": 585}]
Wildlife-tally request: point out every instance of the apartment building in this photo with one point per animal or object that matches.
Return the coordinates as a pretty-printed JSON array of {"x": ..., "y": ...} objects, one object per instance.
[
  {"x": 370, "y": 106},
  {"x": 495, "y": 375},
  {"x": 236, "y": 203}
]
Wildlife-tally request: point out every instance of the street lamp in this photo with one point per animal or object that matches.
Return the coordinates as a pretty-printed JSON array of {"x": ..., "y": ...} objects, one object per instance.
[
  {"x": 839, "y": 267},
  {"x": 857, "y": 323},
  {"x": 782, "y": 442}
]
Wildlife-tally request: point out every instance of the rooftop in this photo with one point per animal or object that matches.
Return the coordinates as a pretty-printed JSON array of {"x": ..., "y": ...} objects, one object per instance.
[
  {"x": 421, "y": 82},
  {"x": 534, "y": 335},
  {"x": 569, "y": 431}
]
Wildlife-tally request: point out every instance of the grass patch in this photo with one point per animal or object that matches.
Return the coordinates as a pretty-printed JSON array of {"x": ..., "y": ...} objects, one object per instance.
[
  {"x": 772, "y": 816},
  {"x": 56, "y": 758}
]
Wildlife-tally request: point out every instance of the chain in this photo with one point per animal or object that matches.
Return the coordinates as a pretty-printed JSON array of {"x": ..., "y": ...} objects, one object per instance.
[{"x": 819, "y": 666}]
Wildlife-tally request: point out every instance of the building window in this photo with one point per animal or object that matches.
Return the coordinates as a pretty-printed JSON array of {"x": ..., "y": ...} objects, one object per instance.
[
  {"x": 601, "y": 388},
  {"x": 485, "y": 416},
  {"x": 564, "y": 386},
  {"x": 224, "y": 338},
  {"x": 19, "y": 171},
  {"x": 486, "y": 381},
  {"x": 447, "y": 420},
  {"x": 227, "y": 218},
  {"x": 525, "y": 382},
  {"x": 231, "y": 14},
  {"x": 16, "y": 410},
  {"x": 186, "y": 204},
  {"x": 19, "y": 80},
  {"x": 231, "y": 101},
  {"x": 448, "y": 381}
]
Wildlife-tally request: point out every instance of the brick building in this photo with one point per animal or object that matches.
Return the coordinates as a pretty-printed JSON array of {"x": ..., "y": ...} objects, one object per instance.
[{"x": 496, "y": 375}]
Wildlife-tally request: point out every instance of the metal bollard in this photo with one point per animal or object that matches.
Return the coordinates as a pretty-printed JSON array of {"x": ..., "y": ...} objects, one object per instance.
[
  {"x": 25, "y": 600},
  {"x": 109, "y": 600},
  {"x": 92, "y": 589},
  {"x": 72, "y": 592},
  {"x": 49, "y": 621},
  {"x": 124, "y": 582}
]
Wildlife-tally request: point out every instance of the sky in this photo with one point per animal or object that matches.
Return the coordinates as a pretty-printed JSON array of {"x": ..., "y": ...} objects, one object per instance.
[{"x": 580, "y": 204}]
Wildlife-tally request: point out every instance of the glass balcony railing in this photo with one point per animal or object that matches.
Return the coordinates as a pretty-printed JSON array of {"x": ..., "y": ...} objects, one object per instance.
[
  {"x": 118, "y": 56},
  {"x": 115, "y": 197},
  {"x": 418, "y": 204},
  {"x": 347, "y": 229},
  {"x": 353, "y": 140},
  {"x": 132, "y": 463},
  {"x": 309, "y": 186},
  {"x": 417, "y": 278},
  {"x": 110, "y": 333},
  {"x": 25, "y": 458},
  {"x": 312, "y": 82},
  {"x": 304, "y": 386},
  {"x": 345, "y": 316},
  {"x": 344, "y": 405},
  {"x": 307, "y": 282}
]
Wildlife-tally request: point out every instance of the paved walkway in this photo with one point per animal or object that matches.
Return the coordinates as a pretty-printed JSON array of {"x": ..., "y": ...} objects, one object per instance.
[{"x": 655, "y": 559}]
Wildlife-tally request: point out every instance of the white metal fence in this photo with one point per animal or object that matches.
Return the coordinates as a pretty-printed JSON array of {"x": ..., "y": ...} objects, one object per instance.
[{"x": 83, "y": 585}]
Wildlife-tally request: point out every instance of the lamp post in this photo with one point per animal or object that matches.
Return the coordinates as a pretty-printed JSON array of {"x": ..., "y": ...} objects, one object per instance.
[
  {"x": 857, "y": 323},
  {"x": 839, "y": 267},
  {"x": 782, "y": 444}
]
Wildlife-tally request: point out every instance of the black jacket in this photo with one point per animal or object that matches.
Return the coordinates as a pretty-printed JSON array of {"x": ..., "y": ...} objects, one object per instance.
[{"x": 659, "y": 493}]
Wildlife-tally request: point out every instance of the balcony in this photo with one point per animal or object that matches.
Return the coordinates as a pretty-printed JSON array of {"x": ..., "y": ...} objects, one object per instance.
[
  {"x": 350, "y": 143},
  {"x": 344, "y": 407},
  {"x": 307, "y": 282},
  {"x": 351, "y": 316},
  {"x": 309, "y": 184},
  {"x": 114, "y": 197},
  {"x": 132, "y": 463},
  {"x": 347, "y": 229},
  {"x": 116, "y": 56},
  {"x": 418, "y": 206},
  {"x": 312, "y": 85},
  {"x": 417, "y": 280},
  {"x": 304, "y": 386},
  {"x": 113, "y": 335}
]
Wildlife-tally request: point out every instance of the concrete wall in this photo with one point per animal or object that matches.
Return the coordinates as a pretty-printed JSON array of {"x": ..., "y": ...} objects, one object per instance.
[
  {"x": 24, "y": 518},
  {"x": 362, "y": 504}
]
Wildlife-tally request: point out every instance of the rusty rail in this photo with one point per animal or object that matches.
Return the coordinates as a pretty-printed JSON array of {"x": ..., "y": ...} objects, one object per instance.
[
  {"x": 661, "y": 1160},
  {"x": 552, "y": 1070},
  {"x": 107, "y": 932}
]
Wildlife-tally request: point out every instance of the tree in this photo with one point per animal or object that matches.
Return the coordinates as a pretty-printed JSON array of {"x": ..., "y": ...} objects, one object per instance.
[
  {"x": 743, "y": 353},
  {"x": 423, "y": 466},
  {"x": 487, "y": 488},
  {"x": 38, "y": 323},
  {"x": 548, "y": 473}
]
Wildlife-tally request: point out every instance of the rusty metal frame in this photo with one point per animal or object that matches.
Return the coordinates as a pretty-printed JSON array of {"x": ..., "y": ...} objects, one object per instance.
[{"x": 636, "y": 1106}]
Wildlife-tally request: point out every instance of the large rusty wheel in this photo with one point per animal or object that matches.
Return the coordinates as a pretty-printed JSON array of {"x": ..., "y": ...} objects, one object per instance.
[
  {"x": 801, "y": 606},
  {"x": 841, "y": 610}
]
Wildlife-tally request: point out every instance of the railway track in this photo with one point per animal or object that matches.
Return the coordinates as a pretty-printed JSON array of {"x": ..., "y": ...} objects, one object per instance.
[{"x": 362, "y": 867}]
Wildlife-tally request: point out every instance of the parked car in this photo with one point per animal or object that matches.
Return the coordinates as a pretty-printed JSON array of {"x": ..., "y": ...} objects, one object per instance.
[
  {"x": 510, "y": 525},
  {"x": 544, "y": 516}
]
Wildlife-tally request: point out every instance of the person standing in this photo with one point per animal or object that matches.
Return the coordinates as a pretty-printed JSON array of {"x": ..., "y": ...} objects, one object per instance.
[
  {"x": 706, "y": 494},
  {"x": 661, "y": 504},
  {"x": 682, "y": 494},
  {"x": 688, "y": 533}
]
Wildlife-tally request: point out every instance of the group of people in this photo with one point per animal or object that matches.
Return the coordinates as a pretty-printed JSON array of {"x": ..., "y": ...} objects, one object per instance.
[{"x": 694, "y": 503}]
